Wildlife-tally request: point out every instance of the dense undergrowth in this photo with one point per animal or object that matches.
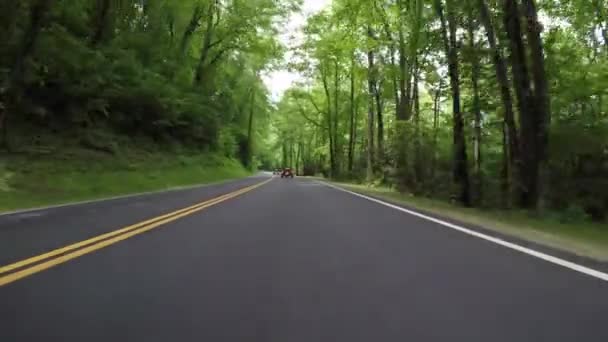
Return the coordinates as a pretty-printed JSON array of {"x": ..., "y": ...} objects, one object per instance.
[
  {"x": 77, "y": 173},
  {"x": 106, "y": 97}
]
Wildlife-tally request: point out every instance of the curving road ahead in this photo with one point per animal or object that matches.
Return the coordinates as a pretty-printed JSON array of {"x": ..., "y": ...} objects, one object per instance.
[{"x": 287, "y": 261}]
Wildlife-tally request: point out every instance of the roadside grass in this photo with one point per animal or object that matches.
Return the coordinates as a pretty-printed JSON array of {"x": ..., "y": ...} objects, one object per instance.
[
  {"x": 584, "y": 238},
  {"x": 38, "y": 179}
]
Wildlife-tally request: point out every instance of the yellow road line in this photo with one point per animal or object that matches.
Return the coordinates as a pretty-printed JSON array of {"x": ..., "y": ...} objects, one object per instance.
[
  {"x": 80, "y": 244},
  {"x": 108, "y": 239}
]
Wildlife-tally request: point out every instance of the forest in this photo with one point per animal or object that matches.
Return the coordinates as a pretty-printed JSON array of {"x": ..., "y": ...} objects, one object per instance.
[
  {"x": 484, "y": 103},
  {"x": 169, "y": 72}
]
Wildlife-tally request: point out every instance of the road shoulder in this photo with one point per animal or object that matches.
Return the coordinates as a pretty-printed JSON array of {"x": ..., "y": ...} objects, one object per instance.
[{"x": 592, "y": 254}]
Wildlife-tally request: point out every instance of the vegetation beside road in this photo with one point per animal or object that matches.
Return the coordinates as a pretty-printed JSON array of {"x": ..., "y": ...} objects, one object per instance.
[
  {"x": 498, "y": 105},
  {"x": 557, "y": 230},
  {"x": 37, "y": 180},
  {"x": 102, "y": 98}
]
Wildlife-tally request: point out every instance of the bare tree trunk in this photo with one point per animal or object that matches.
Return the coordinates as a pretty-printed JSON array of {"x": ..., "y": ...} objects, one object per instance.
[
  {"x": 284, "y": 154},
  {"x": 329, "y": 120},
  {"x": 475, "y": 70},
  {"x": 506, "y": 172},
  {"x": 541, "y": 86},
  {"x": 351, "y": 136},
  {"x": 395, "y": 83},
  {"x": 530, "y": 158},
  {"x": 512, "y": 150},
  {"x": 370, "y": 117},
  {"x": 336, "y": 116},
  {"x": 404, "y": 108},
  {"x": 418, "y": 168},
  {"x": 542, "y": 115},
  {"x": 298, "y": 156},
  {"x": 460, "y": 166},
  {"x": 380, "y": 124},
  {"x": 250, "y": 130},
  {"x": 436, "y": 104}
]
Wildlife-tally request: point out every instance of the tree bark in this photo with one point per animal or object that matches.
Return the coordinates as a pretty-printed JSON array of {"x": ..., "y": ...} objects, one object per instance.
[
  {"x": 351, "y": 136},
  {"x": 510, "y": 129},
  {"x": 336, "y": 115},
  {"x": 542, "y": 115},
  {"x": 329, "y": 121},
  {"x": 541, "y": 86},
  {"x": 436, "y": 104},
  {"x": 529, "y": 168},
  {"x": 460, "y": 171},
  {"x": 370, "y": 116},
  {"x": 404, "y": 107},
  {"x": 250, "y": 130},
  {"x": 418, "y": 167},
  {"x": 475, "y": 71},
  {"x": 299, "y": 158},
  {"x": 380, "y": 121}
]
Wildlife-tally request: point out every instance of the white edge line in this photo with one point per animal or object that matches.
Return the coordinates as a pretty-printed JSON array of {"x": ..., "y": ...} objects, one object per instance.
[
  {"x": 105, "y": 199},
  {"x": 554, "y": 260}
]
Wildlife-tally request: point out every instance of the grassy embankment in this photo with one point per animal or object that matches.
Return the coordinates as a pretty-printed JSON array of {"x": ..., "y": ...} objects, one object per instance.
[
  {"x": 38, "y": 179},
  {"x": 580, "y": 237}
]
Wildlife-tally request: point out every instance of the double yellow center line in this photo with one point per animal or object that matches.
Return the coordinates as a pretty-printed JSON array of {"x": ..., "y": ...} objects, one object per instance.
[{"x": 21, "y": 269}]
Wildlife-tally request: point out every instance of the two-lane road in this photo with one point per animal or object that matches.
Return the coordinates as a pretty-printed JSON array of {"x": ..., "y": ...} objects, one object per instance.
[{"x": 288, "y": 261}]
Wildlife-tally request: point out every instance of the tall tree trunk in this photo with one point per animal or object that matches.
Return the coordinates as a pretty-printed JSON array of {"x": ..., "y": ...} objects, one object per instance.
[
  {"x": 542, "y": 116},
  {"x": 541, "y": 86},
  {"x": 351, "y": 136},
  {"x": 298, "y": 155},
  {"x": 436, "y": 104},
  {"x": 380, "y": 123},
  {"x": 250, "y": 130},
  {"x": 395, "y": 82},
  {"x": 530, "y": 161},
  {"x": 418, "y": 167},
  {"x": 460, "y": 164},
  {"x": 510, "y": 129},
  {"x": 329, "y": 121},
  {"x": 475, "y": 71},
  {"x": 336, "y": 116},
  {"x": 291, "y": 154},
  {"x": 404, "y": 107},
  {"x": 370, "y": 116},
  {"x": 506, "y": 169}
]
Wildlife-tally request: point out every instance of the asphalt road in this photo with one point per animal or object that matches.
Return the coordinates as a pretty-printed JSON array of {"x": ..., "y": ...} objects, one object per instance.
[{"x": 289, "y": 261}]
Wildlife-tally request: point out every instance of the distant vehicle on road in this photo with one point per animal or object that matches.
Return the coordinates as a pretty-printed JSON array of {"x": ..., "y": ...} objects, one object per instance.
[
  {"x": 276, "y": 171},
  {"x": 287, "y": 173}
]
